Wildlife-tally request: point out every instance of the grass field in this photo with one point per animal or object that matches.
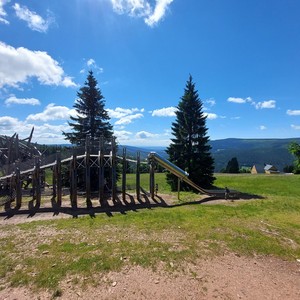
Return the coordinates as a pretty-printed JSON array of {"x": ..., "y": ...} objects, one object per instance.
[{"x": 43, "y": 253}]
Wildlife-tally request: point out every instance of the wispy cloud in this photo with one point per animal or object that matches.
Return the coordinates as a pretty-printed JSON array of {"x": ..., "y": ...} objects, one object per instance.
[
  {"x": 128, "y": 119},
  {"x": 211, "y": 116},
  {"x": 258, "y": 105},
  {"x": 3, "y": 13},
  {"x": 158, "y": 13},
  {"x": 262, "y": 127},
  {"x": 165, "y": 112},
  {"x": 20, "y": 64},
  {"x": 296, "y": 127},
  {"x": 122, "y": 135},
  {"x": 33, "y": 20},
  {"x": 142, "y": 9},
  {"x": 52, "y": 112},
  {"x": 125, "y": 116},
  {"x": 293, "y": 112},
  {"x": 265, "y": 104},
  {"x": 91, "y": 64},
  {"x": 26, "y": 101},
  {"x": 236, "y": 100},
  {"x": 211, "y": 102},
  {"x": 145, "y": 135}
]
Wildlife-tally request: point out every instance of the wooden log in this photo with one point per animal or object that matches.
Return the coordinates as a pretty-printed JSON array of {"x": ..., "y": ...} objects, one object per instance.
[
  {"x": 152, "y": 180},
  {"x": 58, "y": 179},
  {"x": 37, "y": 194},
  {"x": 114, "y": 169},
  {"x": 54, "y": 182},
  {"x": 124, "y": 165},
  {"x": 138, "y": 176},
  {"x": 73, "y": 180},
  {"x": 88, "y": 172},
  {"x": 101, "y": 171},
  {"x": 18, "y": 189}
]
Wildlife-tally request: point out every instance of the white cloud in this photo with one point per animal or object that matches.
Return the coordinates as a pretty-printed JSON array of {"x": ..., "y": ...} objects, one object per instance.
[
  {"x": 159, "y": 12},
  {"x": 135, "y": 8},
  {"x": 119, "y": 112},
  {"x": 211, "y": 116},
  {"x": 3, "y": 13},
  {"x": 9, "y": 123},
  {"x": 33, "y": 20},
  {"x": 145, "y": 135},
  {"x": 142, "y": 9},
  {"x": 266, "y": 104},
  {"x": 257, "y": 105},
  {"x": 91, "y": 64},
  {"x": 293, "y": 112},
  {"x": 20, "y": 64},
  {"x": 165, "y": 112},
  {"x": 211, "y": 102},
  {"x": 122, "y": 135},
  {"x": 296, "y": 127},
  {"x": 52, "y": 112},
  {"x": 125, "y": 116},
  {"x": 26, "y": 101},
  {"x": 236, "y": 100},
  {"x": 262, "y": 127},
  {"x": 128, "y": 119},
  {"x": 43, "y": 134}
]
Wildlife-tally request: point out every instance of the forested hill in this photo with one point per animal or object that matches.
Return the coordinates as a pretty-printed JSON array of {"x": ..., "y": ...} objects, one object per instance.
[
  {"x": 247, "y": 151},
  {"x": 253, "y": 151}
]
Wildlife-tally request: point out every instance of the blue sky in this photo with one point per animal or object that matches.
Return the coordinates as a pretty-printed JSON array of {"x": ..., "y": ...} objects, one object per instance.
[{"x": 243, "y": 56}]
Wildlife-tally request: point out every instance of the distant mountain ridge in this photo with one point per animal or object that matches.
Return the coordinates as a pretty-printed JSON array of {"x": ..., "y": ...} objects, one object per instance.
[
  {"x": 251, "y": 152},
  {"x": 248, "y": 152}
]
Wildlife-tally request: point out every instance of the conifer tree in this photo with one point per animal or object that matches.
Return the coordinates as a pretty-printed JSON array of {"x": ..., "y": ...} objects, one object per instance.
[
  {"x": 190, "y": 149},
  {"x": 294, "y": 148},
  {"x": 232, "y": 166},
  {"x": 92, "y": 119}
]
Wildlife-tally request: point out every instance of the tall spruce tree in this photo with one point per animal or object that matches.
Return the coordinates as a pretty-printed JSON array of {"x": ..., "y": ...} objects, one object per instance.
[
  {"x": 190, "y": 149},
  {"x": 92, "y": 119}
]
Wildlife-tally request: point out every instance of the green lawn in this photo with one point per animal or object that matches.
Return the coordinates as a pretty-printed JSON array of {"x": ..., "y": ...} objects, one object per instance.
[{"x": 42, "y": 253}]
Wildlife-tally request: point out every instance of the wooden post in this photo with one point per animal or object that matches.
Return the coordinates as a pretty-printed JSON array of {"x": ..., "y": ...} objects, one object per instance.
[
  {"x": 58, "y": 179},
  {"x": 54, "y": 182},
  {"x": 152, "y": 181},
  {"x": 113, "y": 169},
  {"x": 124, "y": 175},
  {"x": 87, "y": 172},
  {"x": 178, "y": 188},
  {"x": 18, "y": 189},
  {"x": 73, "y": 179},
  {"x": 101, "y": 171},
  {"x": 37, "y": 183},
  {"x": 138, "y": 175}
]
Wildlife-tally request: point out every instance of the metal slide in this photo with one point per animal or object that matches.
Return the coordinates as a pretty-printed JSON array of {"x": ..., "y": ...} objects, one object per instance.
[{"x": 183, "y": 175}]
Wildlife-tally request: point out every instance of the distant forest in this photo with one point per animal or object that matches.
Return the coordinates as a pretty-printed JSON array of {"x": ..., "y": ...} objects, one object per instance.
[{"x": 248, "y": 152}]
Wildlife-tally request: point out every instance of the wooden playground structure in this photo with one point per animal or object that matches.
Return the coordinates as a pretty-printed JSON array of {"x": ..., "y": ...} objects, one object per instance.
[{"x": 23, "y": 175}]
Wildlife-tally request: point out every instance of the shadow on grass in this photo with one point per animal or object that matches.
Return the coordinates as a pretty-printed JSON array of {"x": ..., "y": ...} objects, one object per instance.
[{"x": 117, "y": 205}]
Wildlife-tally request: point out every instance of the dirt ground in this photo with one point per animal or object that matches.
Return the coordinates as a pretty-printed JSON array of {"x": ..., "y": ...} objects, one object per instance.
[{"x": 225, "y": 277}]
